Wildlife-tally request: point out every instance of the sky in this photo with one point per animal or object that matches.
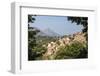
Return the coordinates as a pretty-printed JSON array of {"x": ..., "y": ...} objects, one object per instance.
[{"x": 58, "y": 24}]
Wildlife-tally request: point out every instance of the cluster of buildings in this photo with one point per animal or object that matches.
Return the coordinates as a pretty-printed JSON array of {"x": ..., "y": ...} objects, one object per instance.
[{"x": 53, "y": 47}]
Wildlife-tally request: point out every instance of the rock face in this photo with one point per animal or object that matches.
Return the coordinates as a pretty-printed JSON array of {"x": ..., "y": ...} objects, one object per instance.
[{"x": 53, "y": 47}]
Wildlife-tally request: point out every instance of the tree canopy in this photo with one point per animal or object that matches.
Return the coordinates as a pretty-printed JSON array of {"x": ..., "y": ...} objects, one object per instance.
[{"x": 80, "y": 21}]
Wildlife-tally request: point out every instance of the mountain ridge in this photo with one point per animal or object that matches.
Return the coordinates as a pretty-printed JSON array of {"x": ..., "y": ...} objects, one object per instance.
[{"x": 46, "y": 32}]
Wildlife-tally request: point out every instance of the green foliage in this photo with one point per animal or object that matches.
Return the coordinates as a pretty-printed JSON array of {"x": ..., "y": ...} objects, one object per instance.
[
  {"x": 80, "y": 21},
  {"x": 31, "y": 44},
  {"x": 38, "y": 51},
  {"x": 75, "y": 50},
  {"x": 31, "y": 39},
  {"x": 31, "y": 19}
]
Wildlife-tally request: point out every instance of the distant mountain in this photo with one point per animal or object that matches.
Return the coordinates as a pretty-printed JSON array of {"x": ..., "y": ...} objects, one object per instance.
[
  {"x": 48, "y": 32},
  {"x": 41, "y": 34}
]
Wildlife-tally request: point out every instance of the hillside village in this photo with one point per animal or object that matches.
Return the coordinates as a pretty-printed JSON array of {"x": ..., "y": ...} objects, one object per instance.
[{"x": 53, "y": 47}]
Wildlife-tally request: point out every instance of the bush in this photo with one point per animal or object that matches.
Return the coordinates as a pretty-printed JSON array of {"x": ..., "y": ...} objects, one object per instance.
[
  {"x": 37, "y": 52},
  {"x": 74, "y": 50}
]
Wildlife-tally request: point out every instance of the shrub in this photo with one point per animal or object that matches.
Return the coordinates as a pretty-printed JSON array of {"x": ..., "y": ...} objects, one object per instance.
[{"x": 74, "y": 50}]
